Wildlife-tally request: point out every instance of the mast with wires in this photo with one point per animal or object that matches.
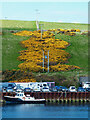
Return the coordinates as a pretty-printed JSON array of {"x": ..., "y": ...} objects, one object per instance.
[{"x": 37, "y": 22}]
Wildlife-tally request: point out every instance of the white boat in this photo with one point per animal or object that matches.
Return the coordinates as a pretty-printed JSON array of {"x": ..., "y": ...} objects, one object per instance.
[{"x": 21, "y": 98}]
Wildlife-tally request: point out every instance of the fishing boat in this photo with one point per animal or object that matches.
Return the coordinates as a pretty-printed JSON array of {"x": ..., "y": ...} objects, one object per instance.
[{"x": 20, "y": 97}]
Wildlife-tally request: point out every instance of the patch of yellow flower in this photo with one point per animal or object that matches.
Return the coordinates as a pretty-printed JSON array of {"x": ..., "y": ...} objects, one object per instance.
[
  {"x": 36, "y": 34},
  {"x": 47, "y": 34},
  {"x": 44, "y": 43},
  {"x": 30, "y": 66},
  {"x": 70, "y": 32},
  {"x": 55, "y": 55},
  {"x": 24, "y": 33},
  {"x": 33, "y": 56},
  {"x": 24, "y": 80},
  {"x": 60, "y": 67}
]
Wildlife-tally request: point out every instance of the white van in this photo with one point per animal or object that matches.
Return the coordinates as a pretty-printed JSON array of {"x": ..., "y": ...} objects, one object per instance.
[
  {"x": 86, "y": 85},
  {"x": 40, "y": 86}
]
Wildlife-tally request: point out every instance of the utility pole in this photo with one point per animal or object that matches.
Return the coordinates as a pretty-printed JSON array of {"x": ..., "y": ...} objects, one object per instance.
[
  {"x": 48, "y": 61},
  {"x": 43, "y": 60},
  {"x": 41, "y": 29},
  {"x": 37, "y": 22}
]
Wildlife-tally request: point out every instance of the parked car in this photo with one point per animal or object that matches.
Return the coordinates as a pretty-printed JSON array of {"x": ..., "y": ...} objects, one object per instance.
[
  {"x": 59, "y": 88},
  {"x": 37, "y": 89},
  {"x": 12, "y": 85},
  {"x": 54, "y": 89},
  {"x": 19, "y": 89},
  {"x": 45, "y": 89},
  {"x": 80, "y": 89},
  {"x": 9, "y": 89},
  {"x": 72, "y": 89},
  {"x": 87, "y": 89},
  {"x": 86, "y": 85},
  {"x": 27, "y": 90},
  {"x": 64, "y": 89}
]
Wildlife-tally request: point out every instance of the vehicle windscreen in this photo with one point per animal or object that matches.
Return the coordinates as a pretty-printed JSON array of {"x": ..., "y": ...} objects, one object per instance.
[{"x": 73, "y": 88}]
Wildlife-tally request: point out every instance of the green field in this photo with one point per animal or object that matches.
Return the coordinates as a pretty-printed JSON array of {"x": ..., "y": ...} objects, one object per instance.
[{"x": 78, "y": 44}]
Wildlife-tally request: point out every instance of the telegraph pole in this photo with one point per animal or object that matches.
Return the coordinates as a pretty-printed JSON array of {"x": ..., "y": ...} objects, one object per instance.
[
  {"x": 48, "y": 61},
  {"x": 43, "y": 60},
  {"x": 46, "y": 57},
  {"x": 37, "y": 22},
  {"x": 41, "y": 29}
]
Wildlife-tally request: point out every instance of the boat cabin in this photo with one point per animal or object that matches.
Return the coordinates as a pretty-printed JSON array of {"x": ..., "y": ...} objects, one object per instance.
[{"x": 20, "y": 94}]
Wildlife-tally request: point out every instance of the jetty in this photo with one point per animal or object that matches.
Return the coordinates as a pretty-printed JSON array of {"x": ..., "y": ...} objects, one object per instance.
[{"x": 55, "y": 97}]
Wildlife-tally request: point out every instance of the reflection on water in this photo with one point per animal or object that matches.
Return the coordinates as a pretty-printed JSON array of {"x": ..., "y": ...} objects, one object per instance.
[
  {"x": 0, "y": 111},
  {"x": 45, "y": 111}
]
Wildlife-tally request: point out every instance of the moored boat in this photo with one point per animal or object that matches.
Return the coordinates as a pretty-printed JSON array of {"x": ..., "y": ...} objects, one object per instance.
[{"x": 21, "y": 98}]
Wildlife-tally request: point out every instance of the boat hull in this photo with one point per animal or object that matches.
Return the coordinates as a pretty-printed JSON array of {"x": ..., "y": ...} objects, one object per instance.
[{"x": 19, "y": 101}]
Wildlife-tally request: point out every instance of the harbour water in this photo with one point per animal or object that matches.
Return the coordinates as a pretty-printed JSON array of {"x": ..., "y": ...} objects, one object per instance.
[
  {"x": 61, "y": 110},
  {"x": 45, "y": 111}
]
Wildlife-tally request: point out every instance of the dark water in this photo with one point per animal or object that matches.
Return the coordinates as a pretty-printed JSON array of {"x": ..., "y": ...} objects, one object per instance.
[{"x": 45, "y": 111}]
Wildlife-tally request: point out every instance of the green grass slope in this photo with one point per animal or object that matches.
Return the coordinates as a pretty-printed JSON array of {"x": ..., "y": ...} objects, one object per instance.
[{"x": 10, "y": 44}]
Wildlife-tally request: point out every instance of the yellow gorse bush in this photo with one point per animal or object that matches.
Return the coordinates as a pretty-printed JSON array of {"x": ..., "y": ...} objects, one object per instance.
[
  {"x": 24, "y": 80},
  {"x": 44, "y": 43},
  {"x": 33, "y": 56},
  {"x": 70, "y": 32},
  {"x": 56, "y": 55},
  {"x": 36, "y": 34},
  {"x": 48, "y": 33},
  {"x": 24, "y": 33},
  {"x": 60, "y": 67},
  {"x": 30, "y": 66}
]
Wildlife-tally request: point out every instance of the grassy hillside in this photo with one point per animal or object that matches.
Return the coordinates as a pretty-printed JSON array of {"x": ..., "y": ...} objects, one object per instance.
[
  {"x": 78, "y": 44},
  {"x": 30, "y": 25}
]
